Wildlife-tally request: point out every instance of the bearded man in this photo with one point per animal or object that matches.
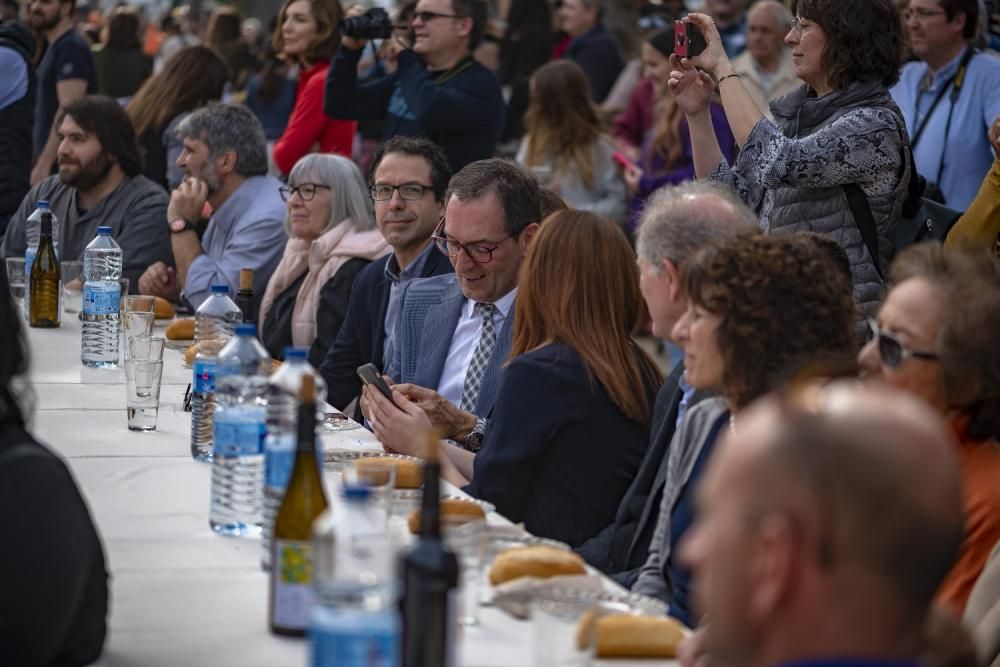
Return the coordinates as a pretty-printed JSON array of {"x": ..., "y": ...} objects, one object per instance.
[
  {"x": 99, "y": 183},
  {"x": 224, "y": 161}
]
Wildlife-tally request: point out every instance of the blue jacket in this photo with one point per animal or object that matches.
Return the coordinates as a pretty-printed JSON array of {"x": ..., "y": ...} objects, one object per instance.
[{"x": 598, "y": 55}]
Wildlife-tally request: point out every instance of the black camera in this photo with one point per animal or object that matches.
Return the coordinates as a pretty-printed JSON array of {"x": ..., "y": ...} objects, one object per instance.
[{"x": 373, "y": 24}]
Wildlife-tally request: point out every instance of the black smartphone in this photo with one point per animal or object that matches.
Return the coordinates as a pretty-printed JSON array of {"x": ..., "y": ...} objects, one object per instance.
[
  {"x": 371, "y": 376},
  {"x": 688, "y": 40}
]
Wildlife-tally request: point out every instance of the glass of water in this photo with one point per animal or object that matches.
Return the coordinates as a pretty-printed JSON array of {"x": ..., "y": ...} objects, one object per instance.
[
  {"x": 142, "y": 393},
  {"x": 468, "y": 542},
  {"x": 71, "y": 272},
  {"x": 137, "y": 324},
  {"x": 15, "y": 278}
]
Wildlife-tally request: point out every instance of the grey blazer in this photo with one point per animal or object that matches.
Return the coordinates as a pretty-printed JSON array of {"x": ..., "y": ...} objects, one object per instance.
[{"x": 429, "y": 312}]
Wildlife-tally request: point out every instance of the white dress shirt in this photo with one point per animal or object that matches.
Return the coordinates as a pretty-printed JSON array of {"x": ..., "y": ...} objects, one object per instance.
[{"x": 463, "y": 345}]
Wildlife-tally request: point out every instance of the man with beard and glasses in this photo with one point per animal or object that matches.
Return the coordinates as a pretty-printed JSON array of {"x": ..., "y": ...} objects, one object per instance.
[
  {"x": 224, "y": 162},
  {"x": 100, "y": 182},
  {"x": 66, "y": 72}
]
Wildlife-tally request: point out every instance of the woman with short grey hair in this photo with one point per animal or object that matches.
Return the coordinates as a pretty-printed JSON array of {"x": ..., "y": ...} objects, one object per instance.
[{"x": 332, "y": 237}]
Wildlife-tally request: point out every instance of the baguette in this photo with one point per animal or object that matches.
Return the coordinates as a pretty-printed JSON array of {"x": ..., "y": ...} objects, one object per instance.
[
  {"x": 454, "y": 511},
  {"x": 409, "y": 474},
  {"x": 632, "y": 636},
  {"x": 534, "y": 561},
  {"x": 163, "y": 309},
  {"x": 180, "y": 329}
]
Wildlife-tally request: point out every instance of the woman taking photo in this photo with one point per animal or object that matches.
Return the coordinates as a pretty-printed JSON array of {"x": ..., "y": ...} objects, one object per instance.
[
  {"x": 307, "y": 36},
  {"x": 666, "y": 154},
  {"x": 571, "y": 421},
  {"x": 332, "y": 236},
  {"x": 192, "y": 78},
  {"x": 760, "y": 309},
  {"x": 838, "y": 136},
  {"x": 566, "y": 145}
]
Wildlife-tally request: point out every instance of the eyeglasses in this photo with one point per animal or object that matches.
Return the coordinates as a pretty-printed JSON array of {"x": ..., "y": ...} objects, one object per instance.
[
  {"x": 797, "y": 26},
  {"x": 407, "y": 191},
  {"x": 477, "y": 252},
  {"x": 892, "y": 350},
  {"x": 921, "y": 13},
  {"x": 427, "y": 17},
  {"x": 306, "y": 191}
]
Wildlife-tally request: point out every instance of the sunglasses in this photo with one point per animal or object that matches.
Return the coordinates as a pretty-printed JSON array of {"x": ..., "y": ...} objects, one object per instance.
[{"x": 892, "y": 350}]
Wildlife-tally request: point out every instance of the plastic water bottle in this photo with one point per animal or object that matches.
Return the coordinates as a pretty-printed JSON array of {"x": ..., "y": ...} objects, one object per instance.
[
  {"x": 214, "y": 323},
  {"x": 354, "y": 622},
  {"x": 238, "y": 434},
  {"x": 32, "y": 234},
  {"x": 279, "y": 447},
  {"x": 102, "y": 266}
]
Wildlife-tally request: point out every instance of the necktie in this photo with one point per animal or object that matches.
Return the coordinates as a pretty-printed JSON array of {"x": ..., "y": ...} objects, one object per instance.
[{"x": 480, "y": 357}]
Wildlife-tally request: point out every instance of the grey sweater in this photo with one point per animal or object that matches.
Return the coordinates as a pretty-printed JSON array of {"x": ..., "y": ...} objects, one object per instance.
[{"x": 687, "y": 443}]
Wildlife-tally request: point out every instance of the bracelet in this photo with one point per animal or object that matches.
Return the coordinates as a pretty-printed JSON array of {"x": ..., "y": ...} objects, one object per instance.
[{"x": 728, "y": 76}]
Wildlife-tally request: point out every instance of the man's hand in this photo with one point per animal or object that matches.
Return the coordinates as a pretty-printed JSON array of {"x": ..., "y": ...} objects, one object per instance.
[
  {"x": 160, "y": 280},
  {"x": 187, "y": 200},
  {"x": 450, "y": 422},
  {"x": 399, "y": 429},
  {"x": 352, "y": 42}
]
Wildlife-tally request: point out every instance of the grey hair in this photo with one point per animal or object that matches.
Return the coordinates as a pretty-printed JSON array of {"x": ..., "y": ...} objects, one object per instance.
[
  {"x": 679, "y": 220},
  {"x": 349, "y": 197},
  {"x": 229, "y": 127},
  {"x": 778, "y": 10}
]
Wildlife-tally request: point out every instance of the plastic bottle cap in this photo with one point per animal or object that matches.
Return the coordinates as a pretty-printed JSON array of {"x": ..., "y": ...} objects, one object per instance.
[
  {"x": 246, "y": 329},
  {"x": 295, "y": 353},
  {"x": 220, "y": 289},
  {"x": 105, "y": 231},
  {"x": 357, "y": 492},
  {"x": 43, "y": 203}
]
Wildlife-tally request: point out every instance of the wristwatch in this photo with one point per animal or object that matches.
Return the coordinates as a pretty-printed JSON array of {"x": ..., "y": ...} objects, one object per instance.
[
  {"x": 178, "y": 225},
  {"x": 474, "y": 441}
]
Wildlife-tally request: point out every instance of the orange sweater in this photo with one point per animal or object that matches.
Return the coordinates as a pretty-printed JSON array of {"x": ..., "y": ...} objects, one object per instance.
[{"x": 980, "y": 462}]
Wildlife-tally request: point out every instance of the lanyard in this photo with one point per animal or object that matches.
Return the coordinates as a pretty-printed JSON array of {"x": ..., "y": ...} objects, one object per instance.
[{"x": 955, "y": 84}]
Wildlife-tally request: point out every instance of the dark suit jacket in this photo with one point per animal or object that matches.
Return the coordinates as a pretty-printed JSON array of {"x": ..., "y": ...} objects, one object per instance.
[
  {"x": 598, "y": 55},
  {"x": 429, "y": 312},
  {"x": 623, "y": 544},
  {"x": 558, "y": 455},
  {"x": 362, "y": 335}
]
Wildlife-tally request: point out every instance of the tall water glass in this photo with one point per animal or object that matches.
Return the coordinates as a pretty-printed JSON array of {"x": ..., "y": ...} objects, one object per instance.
[
  {"x": 15, "y": 278},
  {"x": 71, "y": 272},
  {"x": 136, "y": 324}
]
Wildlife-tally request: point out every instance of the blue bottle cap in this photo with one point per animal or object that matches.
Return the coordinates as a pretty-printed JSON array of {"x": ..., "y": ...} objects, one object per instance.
[
  {"x": 246, "y": 329},
  {"x": 220, "y": 289},
  {"x": 295, "y": 353},
  {"x": 104, "y": 230},
  {"x": 357, "y": 492},
  {"x": 43, "y": 203}
]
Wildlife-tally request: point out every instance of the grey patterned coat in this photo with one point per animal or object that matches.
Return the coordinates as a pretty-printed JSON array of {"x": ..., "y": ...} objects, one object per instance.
[{"x": 791, "y": 172}]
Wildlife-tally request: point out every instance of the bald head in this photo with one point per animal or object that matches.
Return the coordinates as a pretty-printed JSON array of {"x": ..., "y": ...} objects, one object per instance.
[
  {"x": 768, "y": 21},
  {"x": 773, "y": 11}
]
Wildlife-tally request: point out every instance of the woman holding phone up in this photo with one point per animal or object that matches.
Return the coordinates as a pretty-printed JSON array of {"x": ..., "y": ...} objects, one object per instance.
[{"x": 838, "y": 137}]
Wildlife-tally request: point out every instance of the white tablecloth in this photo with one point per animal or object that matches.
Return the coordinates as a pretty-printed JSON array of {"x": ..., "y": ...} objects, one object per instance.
[{"x": 180, "y": 595}]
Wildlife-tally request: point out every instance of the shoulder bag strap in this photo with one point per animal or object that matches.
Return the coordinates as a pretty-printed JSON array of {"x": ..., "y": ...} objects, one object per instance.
[{"x": 866, "y": 223}]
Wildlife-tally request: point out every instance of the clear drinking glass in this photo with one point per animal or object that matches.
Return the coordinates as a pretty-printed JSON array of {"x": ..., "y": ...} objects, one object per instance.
[
  {"x": 555, "y": 615},
  {"x": 136, "y": 324},
  {"x": 142, "y": 393},
  {"x": 468, "y": 542},
  {"x": 139, "y": 303},
  {"x": 146, "y": 348},
  {"x": 380, "y": 478},
  {"x": 71, "y": 272},
  {"x": 15, "y": 278}
]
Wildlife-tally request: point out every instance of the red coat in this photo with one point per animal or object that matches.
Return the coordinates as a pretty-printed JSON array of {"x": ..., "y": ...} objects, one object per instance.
[{"x": 309, "y": 126}]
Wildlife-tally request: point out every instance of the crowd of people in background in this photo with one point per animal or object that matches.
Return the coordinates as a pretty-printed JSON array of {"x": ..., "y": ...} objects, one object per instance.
[{"x": 492, "y": 200}]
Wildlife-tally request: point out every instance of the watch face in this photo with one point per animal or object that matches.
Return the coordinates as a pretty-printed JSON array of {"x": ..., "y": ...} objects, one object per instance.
[{"x": 178, "y": 225}]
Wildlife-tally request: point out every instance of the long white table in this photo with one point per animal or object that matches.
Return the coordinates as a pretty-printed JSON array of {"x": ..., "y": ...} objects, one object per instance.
[{"x": 181, "y": 595}]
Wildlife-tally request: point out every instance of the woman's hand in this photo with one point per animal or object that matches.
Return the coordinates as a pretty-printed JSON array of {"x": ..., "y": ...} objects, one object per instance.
[
  {"x": 632, "y": 174},
  {"x": 691, "y": 88},
  {"x": 713, "y": 59}
]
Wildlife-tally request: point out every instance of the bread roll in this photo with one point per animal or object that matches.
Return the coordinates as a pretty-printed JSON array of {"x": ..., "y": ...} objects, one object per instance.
[
  {"x": 163, "y": 309},
  {"x": 534, "y": 561},
  {"x": 454, "y": 511},
  {"x": 180, "y": 329},
  {"x": 190, "y": 353},
  {"x": 632, "y": 636},
  {"x": 409, "y": 473}
]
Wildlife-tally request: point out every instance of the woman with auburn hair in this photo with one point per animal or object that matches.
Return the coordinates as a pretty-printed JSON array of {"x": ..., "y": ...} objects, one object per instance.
[
  {"x": 192, "y": 78},
  {"x": 307, "y": 35},
  {"x": 571, "y": 421},
  {"x": 566, "y": 144}
]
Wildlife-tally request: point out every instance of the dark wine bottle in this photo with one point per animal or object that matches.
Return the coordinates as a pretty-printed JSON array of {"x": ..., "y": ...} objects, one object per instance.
[
  {"x": 45, "y": 285},
  {"x": 429, "y": 573},
  {"x": 244, "y": 296},
  {"x": 292, "y": 596}
]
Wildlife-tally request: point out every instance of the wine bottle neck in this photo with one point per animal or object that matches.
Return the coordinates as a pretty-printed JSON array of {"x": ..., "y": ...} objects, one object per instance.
[
  {"x": 306, "y": 427},
  {"x": 46, "y": 226},
  {"x": 430, "y": 502}
]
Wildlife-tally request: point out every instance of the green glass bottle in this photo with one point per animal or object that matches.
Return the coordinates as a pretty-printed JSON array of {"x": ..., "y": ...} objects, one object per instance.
[{"x": 45, "y": 280}]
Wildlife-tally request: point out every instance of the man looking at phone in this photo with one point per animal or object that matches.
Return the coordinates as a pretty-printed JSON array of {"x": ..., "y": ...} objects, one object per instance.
[
  {"x": 438, "y": 90},
  {"x": 408, "y": 183},
  {"x": 455, "y": 331}
]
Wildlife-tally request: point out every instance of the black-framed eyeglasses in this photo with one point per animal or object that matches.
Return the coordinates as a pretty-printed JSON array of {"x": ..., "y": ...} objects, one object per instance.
[
  {"x": 306, "y": 191},
  {"x": 477, "y": 252},
  {"x": 427, "y": 17},
  {"x": 407, "y": 191},
  {"x": 892, "y": 350}
]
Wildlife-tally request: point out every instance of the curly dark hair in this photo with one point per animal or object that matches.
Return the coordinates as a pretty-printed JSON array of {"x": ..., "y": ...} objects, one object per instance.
[
  {"x": 104, "y": 118},
  {"x": 785, "y": 305},
  {"x": 864, "y": 39}
]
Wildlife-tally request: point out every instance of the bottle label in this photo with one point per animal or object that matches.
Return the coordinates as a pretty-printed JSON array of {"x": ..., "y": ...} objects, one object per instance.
[
  {"x": 292, "y": 577},
  {"x": 279, "y": 457},
  {"x": 204, "y": 376},
  {"x": 353, "y": 639},
  {"x": 237, "y": 438},
  {"x": 101, "y": 297}
]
